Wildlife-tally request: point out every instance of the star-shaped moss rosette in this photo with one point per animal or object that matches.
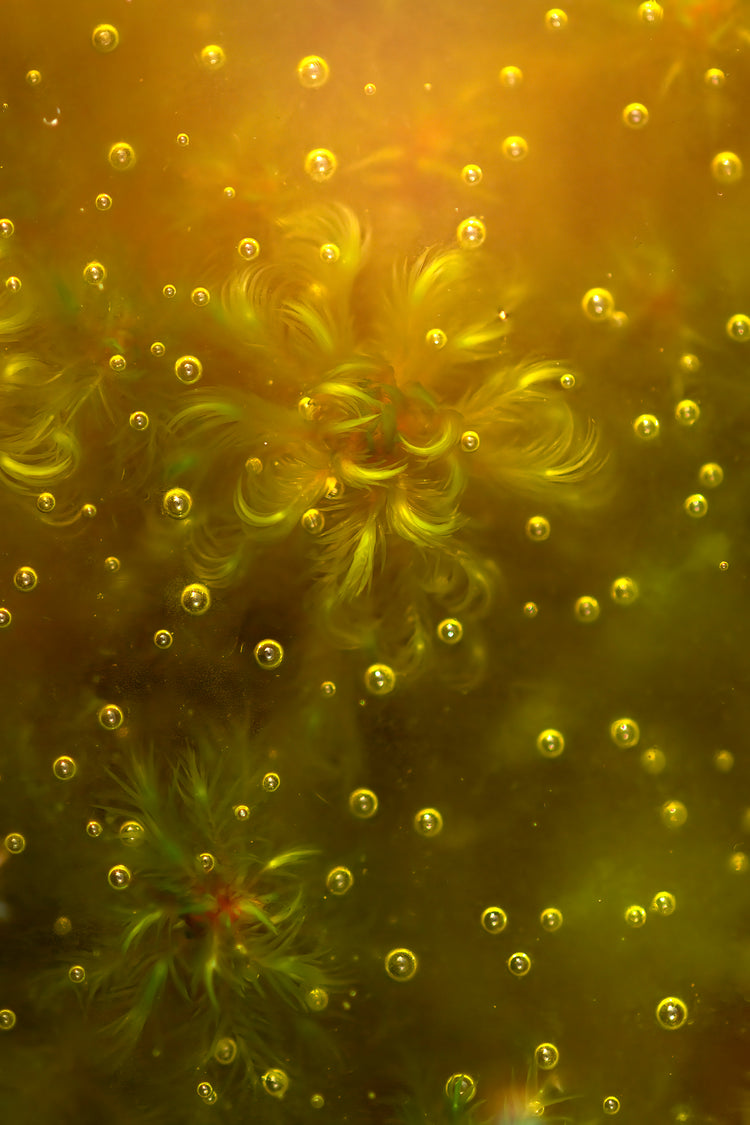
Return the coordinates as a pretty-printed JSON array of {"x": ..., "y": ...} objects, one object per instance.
[{"x": 200, "y": 937}]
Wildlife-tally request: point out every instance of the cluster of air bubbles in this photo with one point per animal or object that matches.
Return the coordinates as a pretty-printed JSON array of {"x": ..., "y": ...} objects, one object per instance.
[
  {"x": 206, "y": 1093},
  {"x": 363, "y": 803},
  {"x": 401, "y": 964}
]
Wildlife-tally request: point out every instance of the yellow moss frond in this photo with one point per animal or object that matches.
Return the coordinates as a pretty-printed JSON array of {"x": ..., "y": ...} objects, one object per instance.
[
  {"x": 421, "y": 515},
  {"x": 274, "y": 501}
]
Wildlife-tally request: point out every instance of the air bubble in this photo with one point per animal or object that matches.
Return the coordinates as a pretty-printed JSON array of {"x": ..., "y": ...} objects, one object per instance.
[
  {"x": 313, "y": 521},
  {"x": 15, "y": 843},
  {"x": 132, "y": 833},
  {"x": 714, "y": 78},
  {"x": 537, "y": 528},
  {"x": 567, "y": 381},
  {"x": 25, "y": 578},
  {"x": 241, "y": 812},
  {"x": 435, "y": 339},
  {"x": 5, "y": 617},
  {"x": 470, "y": 441},
  {"x": 460, "y": 1089},
  {"x": 94, "y": 273},
  {"x": 195, "y": 599},
  {"x": 13, "y": 284},
  {"x": 530, "y": 609},
  {"x": 586, "y": 609},
  {"x": 110, "y": 716},
  {"x": 177, "y": 503},
  {"x": 738, "y": 328},
  {"x": 428, "y": 822},
  {"x": 206, "y": 1091},
  {"x": 695, "y": 505},
  {"x": 188, "y": 369},
  {"x": 320, "y": 164},
  {"x": 33, "y": 77},
  {"x": 275, "y": 1082},
  {"x": 711, "y": 475},
  {"x": 470, "y": 233},
  {"x": 635, "y": 115},
  {"x": 635, "y": 916},
  {"x": 157, "y": 349},
  {"x": 370, "y": 89},
  {"x": 663, "y": 903},
  {"x": 329, "y": 252},
  {"x": 205, "y": 861},
  {"x": 625, "y": 732},
  {"x": 363, "y": 803},
  {"x": 450, "y": 631},
  {"x": 339, "y": 880},
  {"x": 200, "y": 297},
  {"x": 77, "y": 974},
  {"x": 313, "y": 72},
  {"x": 650, "y": 13},
  {"x": 723, "y": 761},
  {"x": 316, "y": 999},
  {"x": 163, "y": 638},
  {"x": 494, "y": 919},
  {"x": 118, "y": 363},
  {"x": 646, "y": 427},
  {"x": 225, "y": 1051},
  {"x": 726, "y": 168},
  {"x": 556, "y": 19},
  {"x": 105, "y": 37},
  {"x": 624, "y": 591},
  {"x": 169, "y": 291},
  {"x": 519, "y": 964},
  {"x": 328, "y": 688},
  {"x": 111, "y": 564},
  {"x": 551, "y": 919},
  {"x": 653, "y": 760},
  {"x": 229, "y": 193},
  {"x": 138, "y": 420},
  {"x": 511, "y": 76},
  {"x": 380, "y": 679},
  {"x": 248, "y": 249},
  {"x": 213, "y": 57},
  {"x": 94, "y": 829},
  {"x": 7, "y": 1019},
  {"x": 271, "y": 782},
  {"x": 687, "y": 412},
  {"x": 88, "y": 511},
  {"x": 673, "y": 814},
  {"x": 122, "y": 156},
  {"x": 515, "y": 148},
  {"x": 471, "y": 174},
  {"x": 598, "y": 304},
  {"x": 671, "y": 1012},
  {"x": 611, "y": 1105},
  {"x": 119, "y": 877},
  {"x": 45, "y": 502},
  {"x": 546, "y": 1056},
  {"x": 401, "y": 964},
  {"x": 268, "y": 654},
  {"x": 550, "y": 743},
  {"x": 6, "y": 228}
]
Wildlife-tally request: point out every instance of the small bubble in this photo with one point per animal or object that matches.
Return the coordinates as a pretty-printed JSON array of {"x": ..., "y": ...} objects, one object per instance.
[
  {"x": 313, "y": 72},
  {"x": 177, "y": 503},
  {"x": 635, "y": 916},
  {"x": 653, "y": 760},
  {"x": 320, "y": 164},
  {"x": 723, "y": 566},
  {"x": 33, "y": 77},
  {"x": 199, "y": 297},
  {"x": 687, "y": 412},
  {"x": 723, "y": 761},
  {"x": 105, "y": 37},
  {"x": 530, "y": 609},
  {"x": 195, "y": 599},
  {"x": 663, "y": 903},
  {"x": 739, "y": 862},
  {"x": 611, "y": 1105},
  {"x": 248, "y": 248},
  {"x": 624, "y": 591},
  {"x": 271, "y": 782},
  {"x": 64, "y": 767},
  {"x": 94, "y": 829},
  {"x": 339, "y": 880},
  {"x": 94, "y": 273},
  {"x": 316, "y": 999},
  {"x": 163, "y": 638},
  {"x": 45, "y": 502},
  {"x": 229, "y": 193},
  {"x": 62, "y": 926},
  {"x": 537, "y": 528},
  {"x": 103, "y": 202},
  {"x": 470, "y": 233},
  {"x": 635, "y": 115},
  {"x": 494, "y": 919},
  {"x": 673, "y": 814},
  {"x": 598, "y": 304},
  {"x": 450, "y": 631},
  {"x": 428, "y": 822},
  {"x": 550, "y": 743},
  {"x": 711, "y": 475},
  {"x": 435, "y": 339},
  {"x": 329, "y": 252},
  {"x": 206, "y": 1091},
  {"x": 586, "y": 609},
  {"x": 726, "y": 168},
  {"x": 460, "y": 1089},
  {"x": 363, "y": 804},
  {"x": 511, "y": 76},
  {"x": 7, "y": 1019},
  {"x": 401, "y": 964},
  {"x": 646, "y": 426},
  {"x": 112, "y": 564},
  {"x": 317, "y": 1101},
  {"x": 671, "y": 1012},
  {"x": 370, "y": 89},
  {"x": 213, "y": 57},
  {"x": 567, "y": 381},
  {"x": 695, "y": 505},
  {"x": 157, "y": 349},
  {"x": 15, "y": 842},
  {"x": 546, "y": 1056},
  {"x": 650, "y": 13},
  {"x": 471, "y": 174},
  {"x": 551, "y": 919},
  {"x": 205, "y": 861},
  {"x": 188, "y": 369},
  {"x": 328, "y": 688},
  {"x": 625, "y": 732},
  {"x": 13, "y": 284},
  {"x": 25, "y": 578},
  {"x": 5, "y": 617},
  {"x": 738, "y": 328},
  {"x": 169, "y": 291},
  {"x": 690, "y": 363},
  {"x": 241, "y": 812},
  {"x": 268, "y": 654},
  {"x": 519, "y": 964},
  {"x": 77, "y": 974},
  {"x": 6, "y": 228},
  {"x": 110, "y": 716},
  {"x": 119, "y": 877},
  {"x": 275, "y": 1082},
  {"x": 183, "y": 140},
  {"x": 313, "y": 521},
  {"x": 515, "y": 148},
  {"x": 225, "y": 1051},
  {"x": 132, "y": 833},
  {"x": 379, "y": 679},
  {"x": 138, "y": 420},
  {"x": 122, "y": 156},
  {"x": 556, "y": 19},
  {"x": 470, "y": 441},
  {"x": 714, "y": 77},
  {"x": 118, "y": 363}
]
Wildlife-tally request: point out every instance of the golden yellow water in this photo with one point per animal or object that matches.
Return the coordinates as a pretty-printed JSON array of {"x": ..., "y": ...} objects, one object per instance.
[{"x": 373, "y": 417}]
